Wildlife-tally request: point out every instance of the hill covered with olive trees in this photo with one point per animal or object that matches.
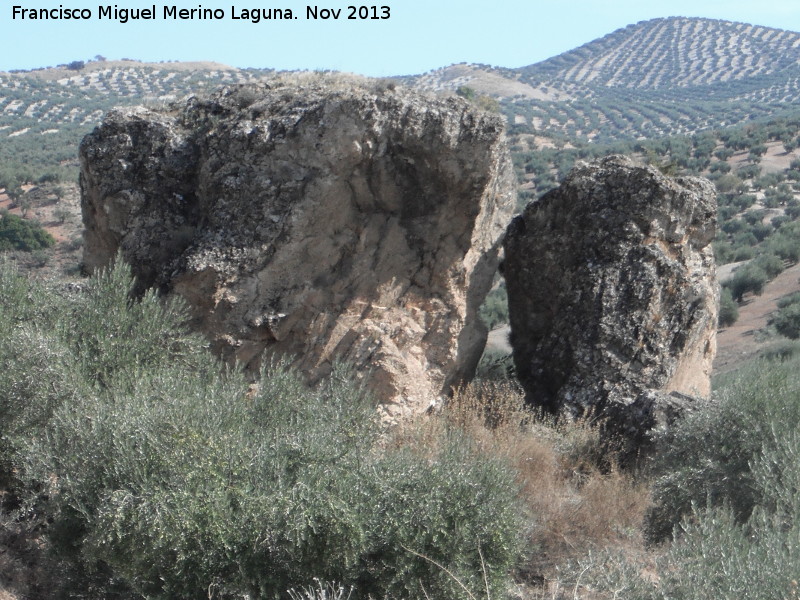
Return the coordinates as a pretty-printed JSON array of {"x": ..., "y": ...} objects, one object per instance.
[{"x": 651, "y": 79}]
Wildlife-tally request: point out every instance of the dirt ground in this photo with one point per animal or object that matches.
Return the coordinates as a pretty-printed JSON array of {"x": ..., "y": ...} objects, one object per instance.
[
  {"x": 775, "y": 160},
  {"x": 740, "y": 342},
  {"x": 65, "y": 256}
]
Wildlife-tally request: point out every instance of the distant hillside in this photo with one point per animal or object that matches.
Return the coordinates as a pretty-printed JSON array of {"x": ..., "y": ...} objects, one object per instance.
[
  {"x": 674, "y": 52},
  {"x": 655, "y": 78},
  {"x": 665, "y": 77},
  {"x": 660, "y": 54},
  {"x": 45, "y": 112},
  {"x": 62, "y": 95}
]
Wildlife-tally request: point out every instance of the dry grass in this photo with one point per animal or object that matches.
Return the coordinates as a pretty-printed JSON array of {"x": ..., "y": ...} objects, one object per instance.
[
  {"x": 334, "y": 81},
  {"x": 581, "y": 505}
]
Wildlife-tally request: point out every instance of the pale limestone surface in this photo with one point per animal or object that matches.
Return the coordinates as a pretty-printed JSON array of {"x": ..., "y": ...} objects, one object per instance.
[{"x": 320, "y": 223}]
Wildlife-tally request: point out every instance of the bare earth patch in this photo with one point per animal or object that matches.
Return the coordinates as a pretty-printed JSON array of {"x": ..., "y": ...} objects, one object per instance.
[
  {"x": 738, "y": 343},
  {"x": 66, "y": 253},
  {"x": 774, "y": 161}
]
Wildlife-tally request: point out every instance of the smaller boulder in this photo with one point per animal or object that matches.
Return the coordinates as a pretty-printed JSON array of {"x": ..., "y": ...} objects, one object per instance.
[{"x": 613, "y": 297}]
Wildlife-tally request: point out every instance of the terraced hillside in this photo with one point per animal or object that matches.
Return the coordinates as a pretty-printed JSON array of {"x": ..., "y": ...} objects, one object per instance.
[
  {"x": 658, "y": 78},
  {"x": 44, "y": 113},
  {"x": 66, "y": 95},
  {"x": 655, "y": 78},
  {"x": 674, "y": 52}
]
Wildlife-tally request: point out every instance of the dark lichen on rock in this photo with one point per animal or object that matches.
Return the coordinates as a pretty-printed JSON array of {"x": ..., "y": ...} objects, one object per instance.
[{"x": 613, "y": 297}]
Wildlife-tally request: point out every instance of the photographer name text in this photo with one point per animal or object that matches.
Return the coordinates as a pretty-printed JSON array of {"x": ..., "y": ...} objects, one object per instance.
[{"x": 177, "y": 13}]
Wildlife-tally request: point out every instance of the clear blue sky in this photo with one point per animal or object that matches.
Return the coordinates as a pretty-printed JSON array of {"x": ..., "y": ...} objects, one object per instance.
[{"x": 420, "y": 34}]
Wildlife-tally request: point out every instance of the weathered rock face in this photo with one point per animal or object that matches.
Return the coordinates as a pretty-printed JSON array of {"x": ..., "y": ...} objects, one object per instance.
[
  {"x": 360, "y": 225},
  {"x": 612, "y": 295}
]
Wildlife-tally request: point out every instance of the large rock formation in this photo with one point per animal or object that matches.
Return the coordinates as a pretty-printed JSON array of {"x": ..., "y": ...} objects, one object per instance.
[
  {"x": 612, "y": 295},
  {"x": 318, "y": 222}
]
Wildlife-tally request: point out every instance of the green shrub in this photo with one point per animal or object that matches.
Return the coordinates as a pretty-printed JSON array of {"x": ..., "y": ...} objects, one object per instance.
[
  {"x": 754, "y": 216},
  {"x": 719, "y": 555},
  {"x": 729, "y": 482},
  {"x": 788, "y": 300},
  {"x": 112, "y": 332},
  {"x": 756, "y": 152},
  {"x": 793, "y": 212},
  {"x": 778, "y": 221},
  {"x": 723, "y": 252},
  {"x": 494, "y": 310},
  {"x": 761, "y": 231},
  {"x": 743, "y": 253},
  {"x": 749, "y": 171},
  {"x": 771, "y": 264},
  {"x": 728, "y": 309},
  {"x": 718, "y": 558},
  {"x": 785, "y": 244},
  {"x": 747, "y": 278},
  {"x": 164, "y": 470},
  {"x": 743, "y": 201},
  {"x": 23, "y": 301},
  {"x": 727, "y": 183},
  {"x": 786, "y": 321},
  {"x": 707, "y": 461},
  {"x": 781, "y": 350},
  {"x": 183, "y": 486},
  {"x": 734, "y": 226},
  {"x": 453, "y": 511},
  {"x": 781, "y": 194},
  {"x": 724, "y": 153},
  {"x": 38, "y": 373},
  {"x": 745, "y": 238},
  {"x": 495, "y": 364},
  {"x": 21, "y": 234},
  {"x": 466, "y": 92},
  {"x": 767, "y": 181}
]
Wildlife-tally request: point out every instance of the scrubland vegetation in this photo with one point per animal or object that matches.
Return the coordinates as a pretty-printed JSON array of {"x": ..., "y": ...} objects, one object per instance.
[
  {"x": 135, "y": 465},
  {"x": 165, "y": 475},
  {"x": 148, "y": 469}
]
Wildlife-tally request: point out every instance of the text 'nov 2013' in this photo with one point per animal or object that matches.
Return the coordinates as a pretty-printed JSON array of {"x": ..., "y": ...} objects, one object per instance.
[{"x": 200, "y": 13}]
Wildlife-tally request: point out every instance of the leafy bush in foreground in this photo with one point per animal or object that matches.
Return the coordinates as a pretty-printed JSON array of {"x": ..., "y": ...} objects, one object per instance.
[
  {"x": 39, "y": 371},
  {"x": 163, "y": 469},
  {"x": 716, "y": 556},
  {"x": 729, "y": 482},
  {"x": 709, "y": 459}
]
